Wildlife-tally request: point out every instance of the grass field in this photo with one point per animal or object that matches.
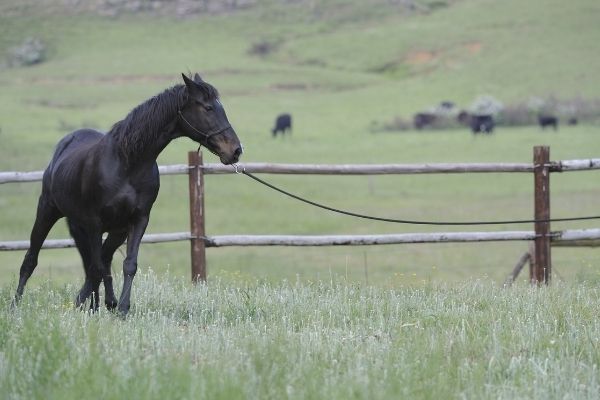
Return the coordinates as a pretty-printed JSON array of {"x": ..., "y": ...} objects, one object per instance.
[
  {"x": 413, "y": 321},
  {"x": 323, "y": 72},
  {"x": 294, "y": 340}
]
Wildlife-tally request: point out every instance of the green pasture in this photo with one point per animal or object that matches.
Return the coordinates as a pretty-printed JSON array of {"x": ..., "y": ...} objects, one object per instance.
[
  {"x": 294, "y": 340},
  {"x": 337, "y": 72}
]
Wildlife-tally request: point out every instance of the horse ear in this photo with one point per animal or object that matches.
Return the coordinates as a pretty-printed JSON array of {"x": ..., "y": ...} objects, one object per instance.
[
  {"x": 190, "y": 84},
  {"x": 197, "y": 78}
]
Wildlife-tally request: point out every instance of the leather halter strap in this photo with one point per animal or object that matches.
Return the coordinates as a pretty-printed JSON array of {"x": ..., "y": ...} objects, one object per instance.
[{"x": 205, "y": 135}]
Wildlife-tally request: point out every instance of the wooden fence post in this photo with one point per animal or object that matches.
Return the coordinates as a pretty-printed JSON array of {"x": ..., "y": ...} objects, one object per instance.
[
  {"x": 542, "y": 265},
  {"x": 196, "y": 189}
]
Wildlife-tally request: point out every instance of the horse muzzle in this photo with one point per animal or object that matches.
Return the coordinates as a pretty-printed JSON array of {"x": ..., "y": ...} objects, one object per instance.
[{"x": 233, "y": 157}]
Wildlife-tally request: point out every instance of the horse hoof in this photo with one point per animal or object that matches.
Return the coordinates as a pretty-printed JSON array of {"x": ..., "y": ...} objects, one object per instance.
[
  {"x": 111, "y": 304},
  {"x": 15, "y": 302},
  {"x": 80, "y": 303},
  {"x": 123, "y": 310}
]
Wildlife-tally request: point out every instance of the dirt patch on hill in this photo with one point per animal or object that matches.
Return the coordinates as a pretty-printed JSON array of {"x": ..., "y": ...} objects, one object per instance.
[
  {"x": 421, "y": 57},
  {"x": 422, "y": 61},
  {"x": 473, "y": 47}
]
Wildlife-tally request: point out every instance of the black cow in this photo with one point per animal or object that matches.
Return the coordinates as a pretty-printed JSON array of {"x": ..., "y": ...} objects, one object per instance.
[
  {"x": 283, "y": 124},
  {"x": 482, "y": 124},
  {"x": 572, "y": 121},
  {"x": 478, "y": 123},
  {"x": 423, "y": 120},
  {"x": 548, "y": 120}
]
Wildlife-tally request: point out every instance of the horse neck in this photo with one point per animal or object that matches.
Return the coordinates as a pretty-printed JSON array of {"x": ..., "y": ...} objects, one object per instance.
[{"x": 148, "y": 128}]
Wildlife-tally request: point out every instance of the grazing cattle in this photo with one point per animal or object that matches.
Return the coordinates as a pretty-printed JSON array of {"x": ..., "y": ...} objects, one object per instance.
[
  {"x": 482, "y": 124},
  {"x": 572, "y": 121},
  {"x": 478, "y": 123},
  {"x": 423, "y": 120},
  {"x": 283, "y": 124},
  {"x": 548, "y": 120}
]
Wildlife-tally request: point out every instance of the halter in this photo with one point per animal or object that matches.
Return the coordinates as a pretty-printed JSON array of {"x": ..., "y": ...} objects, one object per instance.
[{"x": 205, "y": 135}]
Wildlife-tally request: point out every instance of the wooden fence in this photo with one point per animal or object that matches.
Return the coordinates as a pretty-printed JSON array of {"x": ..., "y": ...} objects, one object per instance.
[{"x": 541, "y": 237}]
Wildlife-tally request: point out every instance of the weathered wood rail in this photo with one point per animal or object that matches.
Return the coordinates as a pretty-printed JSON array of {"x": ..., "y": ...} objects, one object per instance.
[
  {"x": 346, "y": 169},
  {"x": 575, "y": 237},
  {"x": 541, "y": 236}
]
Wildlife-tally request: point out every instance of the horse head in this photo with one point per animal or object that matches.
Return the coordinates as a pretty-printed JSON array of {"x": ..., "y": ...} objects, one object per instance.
[{"x": 202, "y": 118}]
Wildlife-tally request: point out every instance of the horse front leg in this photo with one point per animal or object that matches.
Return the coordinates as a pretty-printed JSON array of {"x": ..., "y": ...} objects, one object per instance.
[
  {"x": 134, "y": 238},
  {"x": 110, "y": 245}
]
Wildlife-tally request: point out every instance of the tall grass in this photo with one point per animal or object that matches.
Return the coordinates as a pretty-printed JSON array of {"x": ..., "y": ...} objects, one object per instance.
[
  {"x": 300, "y": 341},
  {"x": 314, "y": 335}
]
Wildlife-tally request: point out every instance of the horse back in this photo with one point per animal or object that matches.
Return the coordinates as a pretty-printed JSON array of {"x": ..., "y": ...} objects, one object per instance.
[
  {"x": 88, "y": 180},
  {"x": 75, "y": 142}
]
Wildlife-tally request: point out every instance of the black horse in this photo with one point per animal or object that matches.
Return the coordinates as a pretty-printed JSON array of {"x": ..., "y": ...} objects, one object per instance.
[{"x": 107, "y": 183}]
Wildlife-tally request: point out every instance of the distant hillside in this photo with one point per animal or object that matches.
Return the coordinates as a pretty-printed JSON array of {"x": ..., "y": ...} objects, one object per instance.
[
  {"x": 191, "y": 8},
  {"x": 416, "y": 50},
  {"x": 547, "y": 44}
]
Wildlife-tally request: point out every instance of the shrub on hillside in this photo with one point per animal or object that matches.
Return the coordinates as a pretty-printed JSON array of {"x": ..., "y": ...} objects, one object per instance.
[
  {"x": 444, "y": 121},
  {"x": 263, "y": 48},
  {"x": 526, "y": 113},
  {"x": 486, "y": 105},
  {"x": 523, "y": 113},
  {"x": 32, "y": 51},
  {"x": 444, "y": 117},
  {"x": 519, "y": 114},
  {"x": 580, "y": 108},
  {"x": 394, "y": 125}
]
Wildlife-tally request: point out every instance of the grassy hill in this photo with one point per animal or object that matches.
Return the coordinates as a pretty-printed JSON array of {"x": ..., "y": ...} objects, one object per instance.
[{"x": 337, "y": 67}]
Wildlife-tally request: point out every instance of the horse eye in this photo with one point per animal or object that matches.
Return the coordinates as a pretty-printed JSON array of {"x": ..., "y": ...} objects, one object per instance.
[{"x": 208, "y": 108}]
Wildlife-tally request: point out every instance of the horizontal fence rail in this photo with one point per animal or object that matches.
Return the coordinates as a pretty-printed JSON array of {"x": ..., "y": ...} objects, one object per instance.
[
  {"x": 346, "y": 169},
  {"x": 572, "y": 237},
  {"x": 364, "y": 240},
  {"x": 66, "y": 243},
  {"x": 367, "y": 169}
]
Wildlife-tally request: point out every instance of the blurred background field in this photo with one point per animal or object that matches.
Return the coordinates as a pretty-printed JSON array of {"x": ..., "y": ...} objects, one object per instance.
[{"x": 342, "y": 69}]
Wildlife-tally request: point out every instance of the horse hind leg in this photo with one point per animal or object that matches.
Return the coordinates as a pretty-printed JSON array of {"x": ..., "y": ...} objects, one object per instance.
[
  {"x": 91, "y": 287},
  {"x": 46, "y": 217}
]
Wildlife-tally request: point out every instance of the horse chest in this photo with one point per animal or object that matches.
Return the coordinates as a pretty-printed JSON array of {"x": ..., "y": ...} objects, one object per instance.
[{"x": 119, "y": 207}]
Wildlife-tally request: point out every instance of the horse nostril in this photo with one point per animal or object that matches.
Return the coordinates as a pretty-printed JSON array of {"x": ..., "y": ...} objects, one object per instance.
[{"x": 238, "y": 152}]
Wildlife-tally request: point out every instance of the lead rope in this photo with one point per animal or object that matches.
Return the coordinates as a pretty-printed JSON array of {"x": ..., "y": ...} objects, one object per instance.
[{"x": 404, "y": 221}]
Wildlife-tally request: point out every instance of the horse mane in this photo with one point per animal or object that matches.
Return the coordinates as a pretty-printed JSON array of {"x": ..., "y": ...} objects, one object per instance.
[{"x": 147, "y": 121}]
